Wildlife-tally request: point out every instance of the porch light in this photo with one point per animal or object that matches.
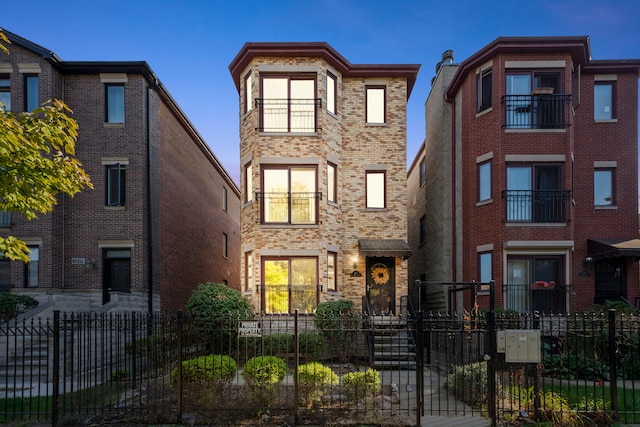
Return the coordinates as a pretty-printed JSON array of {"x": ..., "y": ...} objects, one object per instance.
[{"x": 355, "y": 273}]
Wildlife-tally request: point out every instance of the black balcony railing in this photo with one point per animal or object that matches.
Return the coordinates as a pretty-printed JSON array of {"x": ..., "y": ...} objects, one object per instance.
[
  {"x": 288, "y": 115},
  {"x": 289, "y": 208},
  {"x": 536, "y": 111},
  {"x": 283, "y": 299},
  {"x": 529, "y": 298},
  {"x": 537, "y": 205}
]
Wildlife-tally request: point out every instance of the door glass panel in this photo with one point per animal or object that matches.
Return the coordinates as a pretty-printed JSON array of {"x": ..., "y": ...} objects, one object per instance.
[
  {"x": 276, "y": 197},
  {"x": 276, "y": 284},
  {"x": 275, "y": 104},
  {"x": 519, "y": 105},
  {"x": 548, "y": 203},
  {"x": 303, "y": 200},
  {"x": 303, "y": 284},
  {"x": 518, "y": 284},
  {"x": 302, "y": 106},
  {"x": 519, "y": 193}
]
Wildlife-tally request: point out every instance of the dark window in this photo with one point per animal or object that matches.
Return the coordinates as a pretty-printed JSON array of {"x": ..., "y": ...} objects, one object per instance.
[
  {"x": 603, "y": 187},
  {"x": 423, "y": 171},
  {"x": 534, "y": 100},
  {"x": 534, "y": 193},
  {"x": 224, "y": 199},
  {"x": 115, "y": 189},
  {"x": 423, "y": 229},
  {"x": 5, "y": 92},
  {"x": 225, "y": 245},
  {"x": 32, "y": 268},
  {"x": 485, "y": 91},
  {"x": 115, "y": 103},
  {"x": 5, "y": 274},
  {"x": 31, "y": 98},
  {"x": 5, "y": 219},
  {"x": 485, "y": 269},
  {"x": 484, "y": 181},
  {"x": 603, "y": 100}
]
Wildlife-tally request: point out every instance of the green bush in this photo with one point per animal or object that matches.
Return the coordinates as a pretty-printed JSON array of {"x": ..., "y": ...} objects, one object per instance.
[
  {"x": 280, "y": 343},
  {"x": 215, "y": 309},
  {"x": 11, "y": 305},
  {"x": 311, "y": 345},
  {"x": 362, "y": 386},
  {"x": 338, "y": 322},
  {"x": 264, "y": 371},
  {"x": 469, "y": 383},
  {"x": 211, "y": 369},
  {"x": 313, "y": 379}
]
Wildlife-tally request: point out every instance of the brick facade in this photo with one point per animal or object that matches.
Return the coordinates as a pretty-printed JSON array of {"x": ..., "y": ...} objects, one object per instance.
[
  {"x": 343, "y": 139},
  {"x": 571, "y": 144},
  {"x": 171, "y": 226}
]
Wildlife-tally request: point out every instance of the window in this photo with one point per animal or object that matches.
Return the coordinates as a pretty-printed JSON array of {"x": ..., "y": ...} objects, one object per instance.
[
  {"x": 376, "y": 98},
  {"x": 331, "y": 93},
  {"x": 484, "y": 181},
  {"x": 224, "y": 198},
  {"x": 534, "y": 100},
  {"x": 31, "y": 98},
  {"x": 249, "y": 271},
  {"x": 5, "y": 219},
  {"x": 423, "y": 229},
  {"x": 603, "y": 186},
  {"x": 248, "y": 183},
  {"x": 115, "y": 103},
  {"x": 248, "y": 104},
  {"x": 290, "y": 195},
  {"x": 603, "y": 97},
  {"x": 32, "y": 267},
  {"x": 533, "y": 193},
  {"x": 522, "y": 272},
  {"x": 5, "y": 92},
  {"x": 225, "y": 245},
  {"x": 290, "y": 284},
  {"x": 115, "y": 187},
  {"x": 485, "y": 271},
  {"x": 288, "y": 104},
  {"x": 332, "y": 285},
  {"x": 423, "y": 171},
  {"x": 5, "y": 274},
  {"x": 331, "y": 182},
  {"x": 485, "y": 91},
  {"x": 375, "y": 182}
]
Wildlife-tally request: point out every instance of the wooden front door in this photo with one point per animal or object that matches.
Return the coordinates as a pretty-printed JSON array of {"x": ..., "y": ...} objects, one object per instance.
[{"x": 381, "y": 284}]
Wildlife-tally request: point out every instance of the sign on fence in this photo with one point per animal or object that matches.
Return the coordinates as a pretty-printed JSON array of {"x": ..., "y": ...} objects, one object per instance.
[{"x": 248, "y": 328}]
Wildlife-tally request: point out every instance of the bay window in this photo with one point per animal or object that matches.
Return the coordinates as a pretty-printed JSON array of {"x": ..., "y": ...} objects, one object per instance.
[{"x": 289, "y": 195}]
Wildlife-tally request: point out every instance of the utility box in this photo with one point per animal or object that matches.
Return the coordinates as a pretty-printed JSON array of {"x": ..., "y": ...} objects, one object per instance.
[{"x": 522, "y": 346}]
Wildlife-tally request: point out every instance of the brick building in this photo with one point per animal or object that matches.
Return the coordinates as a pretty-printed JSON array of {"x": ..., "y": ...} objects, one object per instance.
[
  {"x": 529, "y": 176},
  {"x": 323, "y": 155},
  {"x": 164, "y": 214}
]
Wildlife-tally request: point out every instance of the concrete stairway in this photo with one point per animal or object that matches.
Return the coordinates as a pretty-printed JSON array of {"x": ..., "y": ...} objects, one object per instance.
[{"x": 392, "y": 344}]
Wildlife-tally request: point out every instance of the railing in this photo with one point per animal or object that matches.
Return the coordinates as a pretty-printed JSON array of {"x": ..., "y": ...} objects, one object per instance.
[
  {"x": 537, "y": 205},
  {"x": 288, "y": 115},
  {"x": 289, "y": 208},
  {"x": 284, "y": 299},
  {"x": 529, "y": 299},
  {"x": 536, "y": 111}
]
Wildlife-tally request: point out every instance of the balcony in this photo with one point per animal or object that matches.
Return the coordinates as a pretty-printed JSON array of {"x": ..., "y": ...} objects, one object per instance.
[
  {"x": 289, "y": 208},
  {"x": 288, "y": 115},
  {"x": 543, "y": 111},
  {"x": 533, "y": 206},
  {"x": 525, "y": 299}
]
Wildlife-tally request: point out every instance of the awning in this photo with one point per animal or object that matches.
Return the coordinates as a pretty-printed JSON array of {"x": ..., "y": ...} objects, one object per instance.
[
  {"x": 611, "y": 248},
  {"x": 384, "y": 247}
]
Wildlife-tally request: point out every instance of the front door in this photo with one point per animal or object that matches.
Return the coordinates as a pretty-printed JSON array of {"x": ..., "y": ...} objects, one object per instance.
[
  {"x": 117, "y": 272},
  {"x": 611, "y": 282},
  {"x": 381, "y": 281}
]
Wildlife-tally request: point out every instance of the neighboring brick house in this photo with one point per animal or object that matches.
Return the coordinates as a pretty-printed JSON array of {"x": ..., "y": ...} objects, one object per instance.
[
  {"x": 533, "y": 180},
  {"x": 323, "y": 156},
  {"x": 163, "y": 212}
]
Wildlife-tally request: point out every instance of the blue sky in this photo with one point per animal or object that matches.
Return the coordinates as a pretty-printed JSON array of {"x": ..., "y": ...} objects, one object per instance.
[{"x": 189, "y": 44}]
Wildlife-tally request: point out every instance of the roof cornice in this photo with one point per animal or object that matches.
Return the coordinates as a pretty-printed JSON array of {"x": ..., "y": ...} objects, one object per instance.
[{"x": 319, "y": 50}]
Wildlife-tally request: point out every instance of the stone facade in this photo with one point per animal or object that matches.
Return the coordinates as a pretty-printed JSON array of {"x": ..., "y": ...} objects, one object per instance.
[
  {"x": 343, "y": 139},
  {"x": 169, "y": 230}
]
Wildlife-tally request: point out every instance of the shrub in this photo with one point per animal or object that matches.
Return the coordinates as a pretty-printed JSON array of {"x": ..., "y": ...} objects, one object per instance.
[
  {"x": 214, "y": 368},
  {"x": 311, "y": 345},
  {"x": 215, "y": 309},
  {"x": 264, "y": 371},
  {"x": 280, "y": 343},
  {"x": 361, "y": 386},
  {"x": 313, "y": 379},
  {"x": 469, "y": 383},
  {"x": 120, "y": 374},
  {"x": 11, "y": 305},
  {"x": 338, "y": 322}
]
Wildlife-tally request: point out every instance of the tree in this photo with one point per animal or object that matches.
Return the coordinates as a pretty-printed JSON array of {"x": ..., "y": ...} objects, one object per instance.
[{"x": 37, "y": 162}]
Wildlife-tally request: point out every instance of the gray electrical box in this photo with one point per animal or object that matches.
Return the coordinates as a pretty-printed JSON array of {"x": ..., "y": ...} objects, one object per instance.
[{"x": 522, "y": 346}]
